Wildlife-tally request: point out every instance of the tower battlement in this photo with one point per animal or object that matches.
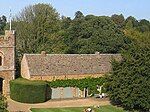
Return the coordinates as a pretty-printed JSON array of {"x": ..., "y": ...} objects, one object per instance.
[{"x": 7, "y": 40}]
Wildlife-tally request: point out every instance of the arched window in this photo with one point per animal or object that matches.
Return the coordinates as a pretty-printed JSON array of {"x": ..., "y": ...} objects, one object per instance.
[{"x": 0, "y": 60}]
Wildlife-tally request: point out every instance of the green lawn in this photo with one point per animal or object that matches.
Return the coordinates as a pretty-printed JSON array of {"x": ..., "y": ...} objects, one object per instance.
[{"x": 80, "y": 109}]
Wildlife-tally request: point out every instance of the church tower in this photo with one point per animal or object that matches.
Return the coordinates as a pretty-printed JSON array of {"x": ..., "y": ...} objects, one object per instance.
[{"x": 7, "y": 60}]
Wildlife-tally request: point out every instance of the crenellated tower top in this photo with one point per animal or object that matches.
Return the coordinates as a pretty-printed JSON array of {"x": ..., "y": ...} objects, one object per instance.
[{"x": 8, "y": 40}]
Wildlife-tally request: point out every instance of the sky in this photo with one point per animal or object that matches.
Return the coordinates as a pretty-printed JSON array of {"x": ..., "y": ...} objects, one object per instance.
[{"x": 140, "y": 9}]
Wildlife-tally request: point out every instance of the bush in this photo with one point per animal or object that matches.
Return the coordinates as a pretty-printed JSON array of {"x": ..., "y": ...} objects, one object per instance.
[
  {"x": 3, "y": 104},
  {"x": 25, "y": 91}
]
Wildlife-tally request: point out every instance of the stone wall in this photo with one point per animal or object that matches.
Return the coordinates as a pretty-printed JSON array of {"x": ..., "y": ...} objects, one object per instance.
[
  {"x": 7, "y": 53},
  {"x": 6, "y": 76},
  {"x": 63, "y": 77},
  {"x": 25, "y": 69}
]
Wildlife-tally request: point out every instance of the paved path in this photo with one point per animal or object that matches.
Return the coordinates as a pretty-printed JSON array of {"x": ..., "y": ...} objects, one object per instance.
[{"x": 14, "y": 106}]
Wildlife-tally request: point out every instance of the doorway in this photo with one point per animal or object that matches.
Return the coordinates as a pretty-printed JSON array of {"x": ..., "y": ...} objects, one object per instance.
[{"x": 86, "y": 92}]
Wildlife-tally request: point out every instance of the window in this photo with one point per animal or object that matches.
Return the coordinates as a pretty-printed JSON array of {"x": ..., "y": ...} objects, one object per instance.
[{"x": 0, "y": 60}]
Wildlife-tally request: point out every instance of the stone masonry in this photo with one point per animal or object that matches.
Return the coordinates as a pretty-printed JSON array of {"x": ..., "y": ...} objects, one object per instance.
[{"x": 7, "y": 56}]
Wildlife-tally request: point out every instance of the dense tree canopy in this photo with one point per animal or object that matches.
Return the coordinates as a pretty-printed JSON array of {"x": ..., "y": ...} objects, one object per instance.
[
  {"x": 39, "y": 27},
  {"x": 129, "y": 84},
  {"x": 92, "y": 33},
  {"x": 119, "y": 20},
  {"x": 35, "y": 27},
  {"x": 143, "y": 25},
  {"x": 79, "y": 15}
]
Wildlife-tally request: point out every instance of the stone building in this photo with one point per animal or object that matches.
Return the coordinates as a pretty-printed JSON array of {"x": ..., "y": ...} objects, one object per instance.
[
  {"x": 7, "y": 60},
  {"x": 66, "y": 66}
]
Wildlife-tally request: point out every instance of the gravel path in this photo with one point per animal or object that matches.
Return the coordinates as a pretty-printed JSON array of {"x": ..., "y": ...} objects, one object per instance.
[{"x": 14, "y": 106}]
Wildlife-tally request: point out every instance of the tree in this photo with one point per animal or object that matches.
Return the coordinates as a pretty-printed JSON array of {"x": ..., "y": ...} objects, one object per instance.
[
  {"x": 144, "y": 22},
  {"x": 92, "y": 33},
  {"x": 132, "y": 20},
  {"x": 119, "y": 20},
  {"x": 130, "y": 80},
  {"x": 34, "y": 26},
  {"x": 144, "y": 25},
  {"x": 79, "y": 15},
  {"x": 129, "y": 25},
  {"x": 3, "y": 21},
  {"x": 65, "y": 22}
]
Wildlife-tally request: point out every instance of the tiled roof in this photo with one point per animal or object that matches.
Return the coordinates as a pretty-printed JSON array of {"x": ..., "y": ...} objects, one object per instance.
[{"x": 69, "y": 64}]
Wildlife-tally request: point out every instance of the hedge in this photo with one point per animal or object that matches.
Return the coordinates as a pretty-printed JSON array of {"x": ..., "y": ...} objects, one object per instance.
[{"x": 26, "y": 91}]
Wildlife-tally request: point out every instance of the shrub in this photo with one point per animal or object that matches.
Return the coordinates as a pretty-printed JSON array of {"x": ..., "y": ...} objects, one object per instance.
[
  {"x": 25, "y": 91},
  {"x": 3, "y": 104}
]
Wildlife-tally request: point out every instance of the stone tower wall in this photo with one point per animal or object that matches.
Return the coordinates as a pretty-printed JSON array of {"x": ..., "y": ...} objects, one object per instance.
[{"x": 7, "y": 53}]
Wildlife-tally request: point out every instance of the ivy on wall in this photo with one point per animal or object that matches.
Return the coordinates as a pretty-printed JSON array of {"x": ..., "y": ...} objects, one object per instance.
[{"x": 90, "y": 83}]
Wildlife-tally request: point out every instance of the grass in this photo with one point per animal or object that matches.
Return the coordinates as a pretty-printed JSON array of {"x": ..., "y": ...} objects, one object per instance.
[{"x": 108, "y": 108}]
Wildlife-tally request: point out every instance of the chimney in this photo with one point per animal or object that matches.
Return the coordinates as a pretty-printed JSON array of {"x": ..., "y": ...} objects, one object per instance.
[
  {"x": 97, "y": 53},
  {"x": 43, "y": 53}
]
